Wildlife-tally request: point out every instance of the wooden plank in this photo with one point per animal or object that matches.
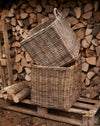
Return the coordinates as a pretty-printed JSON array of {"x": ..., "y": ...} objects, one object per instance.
[
  {"x": 48, "y": 116},
  {"x": 87, "y": 100},
  {"x": 2, "y": 69},
  {"x": 88, "y": 121},
  {"x": 91, "y": 121},
  {"x": 85, "y": 121},
  {"x": 42, "y": 110},
  {"x": 7, "y": 52},
  {"x": 83, "y": 105},
  {"x": 74, "y": 110}
]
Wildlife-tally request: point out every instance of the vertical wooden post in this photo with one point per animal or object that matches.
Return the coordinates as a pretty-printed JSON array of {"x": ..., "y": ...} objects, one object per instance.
[
  {"x": 2, "y": 69},
  {"x": 7, "y": 52},
  {"x": 41, "y": 111},
  {"x": 88, "y": 120},
  {"x": 85, "y": 121}
]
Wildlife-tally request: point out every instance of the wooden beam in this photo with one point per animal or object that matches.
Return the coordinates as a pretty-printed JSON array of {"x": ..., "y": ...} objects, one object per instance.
[
  {"x": 2, "y": 69},
  {"x": 7, "y": 52}
]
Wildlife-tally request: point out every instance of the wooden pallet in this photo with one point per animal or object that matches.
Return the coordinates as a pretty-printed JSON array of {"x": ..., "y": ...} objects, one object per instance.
[{"x": 85, "y": 108}]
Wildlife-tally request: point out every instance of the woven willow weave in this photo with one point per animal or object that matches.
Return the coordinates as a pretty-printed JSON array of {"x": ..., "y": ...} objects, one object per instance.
[
  {"x": 53, "y": 43},
  {"x": 56, "y": 87}
]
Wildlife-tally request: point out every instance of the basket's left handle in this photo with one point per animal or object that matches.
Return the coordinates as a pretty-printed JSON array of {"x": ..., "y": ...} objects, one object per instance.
[{"x": 57, "y": 13}]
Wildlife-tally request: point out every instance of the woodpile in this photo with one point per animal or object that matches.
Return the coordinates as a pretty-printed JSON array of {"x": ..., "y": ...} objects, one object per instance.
[
  {"x": 16, "y": 92},
  {"x": 84, "y": 18}
]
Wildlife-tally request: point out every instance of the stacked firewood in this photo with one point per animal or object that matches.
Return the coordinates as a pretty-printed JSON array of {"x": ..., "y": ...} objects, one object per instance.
[
  {"x": 84, "y": 18},
  {"x": 16, "y": 92}
]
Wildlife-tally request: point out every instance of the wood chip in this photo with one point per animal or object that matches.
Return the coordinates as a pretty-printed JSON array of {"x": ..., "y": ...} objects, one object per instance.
[
  {"x": 24, "y": 63},
  {"x": 92, "y": 47},
  {"x": 90, "y": 53},
  {"x": 89, "y": 38},
  {"x": 96, "y": 29},
  {"x": 87, "y": 15},
  {"x": 91, "y": 60},
  {"x": 16, "y": 44},
  {"x": 88, "y": 31},
  {"x": 27, "y": 78},
  {"x": 98, "y": 36},
  {"x": 18, "y": 58},
  {"x": 88, "y": 7},
  {"x": 39, "y": 8},
  {"x": 4, "y": 14},
  {"x": 39, "y": 17},
  {"x": 90, "y": 74},
  {"x": 85, "y": 44},
  {"x": 96, "y": 5},
  {"x": 72, "y": 20},
  {"x": 89, "y": 93},
  {"x": 96, "y": 16},
  {"x": 98, "y": 50},
  {"x": 77, "y": 26},
  {"x": 28, "y": 58},
  {"x": 27, "y": 70},
  {"x": 33, "y": 3},
  {"x": 49, "y": 9},
  {"x": 65, "y": 12},
  {"x": 96, "y": 69},
  {"x": 77, "y": 11},
  {"x": 95, "y": 80},
  {"x": 29, "y": 10},
  {"x": 23, "y": 15},
  {"x": 13, "y": 21},
  {"x": 24, "y": 6},
  {"x": 43, "y": 20},
  {"x": 80, "y": 33},
  {"x": 33, "y": 17},
  {"x": 19, "y": 68},
  {"x": 87, "y": 82},
  {"x": 85, "y": 67},
  {"x": 20, "y": 23}
]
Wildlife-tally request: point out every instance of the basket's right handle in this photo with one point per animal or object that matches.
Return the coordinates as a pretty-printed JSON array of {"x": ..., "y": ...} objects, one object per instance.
[{"x": 56, "y": 13}]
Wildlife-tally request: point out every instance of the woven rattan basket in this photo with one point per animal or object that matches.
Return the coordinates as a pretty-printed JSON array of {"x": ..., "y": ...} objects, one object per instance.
[
  {"x": 53, "y": 43},
  {"x": 56, "y": 87}
]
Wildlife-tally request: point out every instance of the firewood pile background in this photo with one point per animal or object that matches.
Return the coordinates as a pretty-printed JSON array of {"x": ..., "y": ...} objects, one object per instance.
[{"x": 84, "y": 17}]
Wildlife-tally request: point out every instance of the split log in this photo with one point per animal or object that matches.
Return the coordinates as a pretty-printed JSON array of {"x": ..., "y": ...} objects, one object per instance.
[
  {"x": 91, "y": 60},
  {"x": 5, "y": 96},
  {"x": 21, "y": 95},
  {"x": 17, "y": 87}
]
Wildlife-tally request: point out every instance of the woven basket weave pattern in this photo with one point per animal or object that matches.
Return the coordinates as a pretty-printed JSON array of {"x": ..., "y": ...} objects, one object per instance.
[
  {"x": 52, "y": 44},
  {"x": 55, "y": 87}
]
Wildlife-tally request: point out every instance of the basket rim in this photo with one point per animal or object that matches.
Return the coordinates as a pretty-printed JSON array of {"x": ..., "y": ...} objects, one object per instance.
[
  {"x": 57, "y": 67},
  {"x": 29, "y": 38}
]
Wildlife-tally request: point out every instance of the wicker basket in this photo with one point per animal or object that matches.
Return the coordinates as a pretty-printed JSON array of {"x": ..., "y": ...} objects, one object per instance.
[
  {"x": 56, "y": 87},
  {"x": 53, "y": 43}
]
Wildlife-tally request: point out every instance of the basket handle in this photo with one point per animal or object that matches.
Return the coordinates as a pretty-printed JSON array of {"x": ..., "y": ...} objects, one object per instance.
[{"x": 57, "y": 13}]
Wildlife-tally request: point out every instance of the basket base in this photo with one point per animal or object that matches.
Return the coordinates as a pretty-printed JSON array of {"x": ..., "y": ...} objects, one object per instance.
[{"x": 84, "y": 107}]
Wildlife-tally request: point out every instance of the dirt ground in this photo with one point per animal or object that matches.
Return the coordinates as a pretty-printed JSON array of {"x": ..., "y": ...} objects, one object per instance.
[{"x": 11, "y": 118}]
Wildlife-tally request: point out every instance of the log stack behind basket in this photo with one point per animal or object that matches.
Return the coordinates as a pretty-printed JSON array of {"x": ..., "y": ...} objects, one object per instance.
[{"x": 53, "y": 45}]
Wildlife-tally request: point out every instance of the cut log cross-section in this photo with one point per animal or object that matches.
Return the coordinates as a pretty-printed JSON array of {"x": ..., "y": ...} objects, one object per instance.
[{"x": 21, "y": 95}]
